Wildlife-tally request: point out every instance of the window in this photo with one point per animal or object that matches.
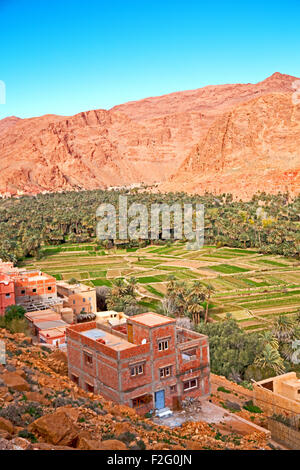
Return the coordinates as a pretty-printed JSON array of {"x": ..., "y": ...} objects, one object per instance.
[
  {"x": 73, "y": 302},
  {"x": 193, "y": 383},
  {"x": 83, "y": 309},
  {"x": 88, "y": 359},
  {"x": 49, "y": 288},
  {"x": 33, "y": 290},
  {"x": 83, "y": 299},
  {"x": 23, "y": 291},
  {"x": 163, "y": 345},
  {"x": 165, "y": 372},
  {"x": 173, "y": 388},
  {"x": 89, "y": 388},
  {"x": 189, "y": 354},
  {"x": 137, "y": 370},
  {"x": 140, "y": 401},
  {"x": 7, "y": 296},
  {"x": 75, "y": 378}
]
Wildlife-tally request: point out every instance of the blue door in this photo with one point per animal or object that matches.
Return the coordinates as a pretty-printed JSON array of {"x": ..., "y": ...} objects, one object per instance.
[{"x": 160, "y": 399}]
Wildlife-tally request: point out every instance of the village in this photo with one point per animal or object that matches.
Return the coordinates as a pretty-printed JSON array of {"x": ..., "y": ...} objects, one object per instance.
[{"x": 146, "y": 361}]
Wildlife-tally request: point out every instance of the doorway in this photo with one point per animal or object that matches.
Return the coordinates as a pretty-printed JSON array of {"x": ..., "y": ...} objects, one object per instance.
[{"x": 160, "y": 399}]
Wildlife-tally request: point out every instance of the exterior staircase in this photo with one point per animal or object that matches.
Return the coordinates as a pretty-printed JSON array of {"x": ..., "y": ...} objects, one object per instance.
[{"x": 163, "y": 413}]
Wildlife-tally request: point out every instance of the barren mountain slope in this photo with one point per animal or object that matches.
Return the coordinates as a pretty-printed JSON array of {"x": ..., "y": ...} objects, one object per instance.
[
  {"x": 144, "y": 141},
  {"x": 256, "y": 146}
]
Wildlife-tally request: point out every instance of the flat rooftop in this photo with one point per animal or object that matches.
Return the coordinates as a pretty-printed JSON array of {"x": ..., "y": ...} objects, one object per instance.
[
  {"x": 31, "y": 276},
  {"x": 114, "y": 342},
  {"x": 48, "y": 325},
  {"x": 5, "y": 279},
  {"x": 42, "y": 315},
  {"x": 151, "y": 319},
  {"x": 54, "y": 332},
  {"x": 294, "y": 383},
  {"x": 75, "y": 288}
]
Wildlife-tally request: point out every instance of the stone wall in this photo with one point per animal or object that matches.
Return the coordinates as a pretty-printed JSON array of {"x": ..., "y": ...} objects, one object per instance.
[
  {"x": 221, "y": 381},
  {"x": 272, "y": 403},
  {"x": 283, "y": 434}
]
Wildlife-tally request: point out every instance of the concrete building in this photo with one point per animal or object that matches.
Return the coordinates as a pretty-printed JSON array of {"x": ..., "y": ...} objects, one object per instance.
[
  {"x": 151, "y": 365},
  {"x": 32, "y": 286},
  {"x": 111, "y": 318},
  {"x": 285, "y": 385},
  {"x": 7, "y": 293},
  {"x": 78, "y": 297},
  {"x": 55, "y": 336},
  {"x": 33, "y": 290},
  {"x": 47, "y": 326}
]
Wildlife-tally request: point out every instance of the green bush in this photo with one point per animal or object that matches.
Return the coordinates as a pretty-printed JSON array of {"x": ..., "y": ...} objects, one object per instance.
[
  {"x": 252, "y": 408},
  {"x": 223, "y": 389},
  {"x": 27, "y": 435}
]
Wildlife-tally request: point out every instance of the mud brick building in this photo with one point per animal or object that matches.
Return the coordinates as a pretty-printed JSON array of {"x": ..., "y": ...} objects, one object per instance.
[
  {"x": 78, "y": 297},
  {"x": 147, "y": 364}
]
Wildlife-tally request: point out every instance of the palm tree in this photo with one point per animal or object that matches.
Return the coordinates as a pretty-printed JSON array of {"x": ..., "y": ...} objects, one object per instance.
[
  {"x": 267, "y": 337},
  {"x": 270, "y": 359},
  {"x": 194, "y": 298},
  {"x": 195, "y": 309},
  {"x": 283, "y": 329},
  {"x": 208, "y": 292}
]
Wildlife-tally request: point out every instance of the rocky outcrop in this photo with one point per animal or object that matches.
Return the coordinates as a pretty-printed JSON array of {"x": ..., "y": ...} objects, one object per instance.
[
  {"x": 6, "y": 425},
  {"x": 253, "y": 147},
  {"x": 67, "y": 417},
  {"x": 15, "y": 381},
  {"x": 57, "y": 428}
]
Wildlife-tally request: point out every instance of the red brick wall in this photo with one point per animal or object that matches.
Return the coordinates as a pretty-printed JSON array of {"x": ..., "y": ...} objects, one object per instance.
[
  {"x": 128, "y": 382},
  {"x": 111, "y": 369},
  {"x": 140, "y": 332},
  {"x": 41, "y": 286},
  {"x": 4, "y": 300}
]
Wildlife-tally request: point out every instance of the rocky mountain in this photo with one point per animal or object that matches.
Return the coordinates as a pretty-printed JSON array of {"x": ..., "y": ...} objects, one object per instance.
[
  {"x": 253, "y": 147},
  {"x": 8, "y": 122},
  {"x": 158, "y": 140}
]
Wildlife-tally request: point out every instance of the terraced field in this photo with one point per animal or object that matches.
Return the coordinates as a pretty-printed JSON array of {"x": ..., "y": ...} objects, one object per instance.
[{"x": 253, "y": 287}]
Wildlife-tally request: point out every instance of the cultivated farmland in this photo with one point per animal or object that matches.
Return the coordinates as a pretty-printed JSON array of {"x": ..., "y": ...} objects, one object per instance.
[{"x": 253, "y": 287}]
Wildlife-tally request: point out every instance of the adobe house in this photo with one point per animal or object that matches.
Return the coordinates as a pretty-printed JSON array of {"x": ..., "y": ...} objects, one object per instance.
[
  {"x": 285, "y": 385},
  {"x": 152, "y": 364},
  {"x": 78, "y": 297}
]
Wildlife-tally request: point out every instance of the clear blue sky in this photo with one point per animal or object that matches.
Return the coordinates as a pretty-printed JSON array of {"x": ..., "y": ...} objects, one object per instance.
[{"x": 67, "y": 56}]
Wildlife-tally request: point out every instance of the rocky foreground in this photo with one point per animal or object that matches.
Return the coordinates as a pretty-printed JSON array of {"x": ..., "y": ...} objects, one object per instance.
[{"x": 41, "y": 409}]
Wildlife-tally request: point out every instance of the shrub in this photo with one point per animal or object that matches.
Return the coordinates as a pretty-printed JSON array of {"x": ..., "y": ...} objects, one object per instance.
[
  {"x": 223, "y": 389},
  {"x": 141, "y": 444},
  {"x": 252, "y": 408},
  {"x": 127, "y": 437},
  {"x": 14, "y": 312},
  {"x": 27, "y": 435},
  {"x": 108, "y": 436}
]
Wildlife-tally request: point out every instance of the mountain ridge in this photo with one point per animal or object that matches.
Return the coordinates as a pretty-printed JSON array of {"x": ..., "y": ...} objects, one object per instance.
[{"x": 146, "y": 141}]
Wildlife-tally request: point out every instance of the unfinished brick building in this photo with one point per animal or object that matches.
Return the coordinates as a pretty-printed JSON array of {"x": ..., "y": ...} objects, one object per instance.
[
  {"x": 34, "y": 285},
  {"x": 147, "y": 364},
  {"x": 7, "y": 293},
  {"x": 34, "y": 290}
]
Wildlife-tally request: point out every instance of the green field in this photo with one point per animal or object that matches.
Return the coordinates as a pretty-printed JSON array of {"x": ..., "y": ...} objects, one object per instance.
[{"x": 254, "y": 288}]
